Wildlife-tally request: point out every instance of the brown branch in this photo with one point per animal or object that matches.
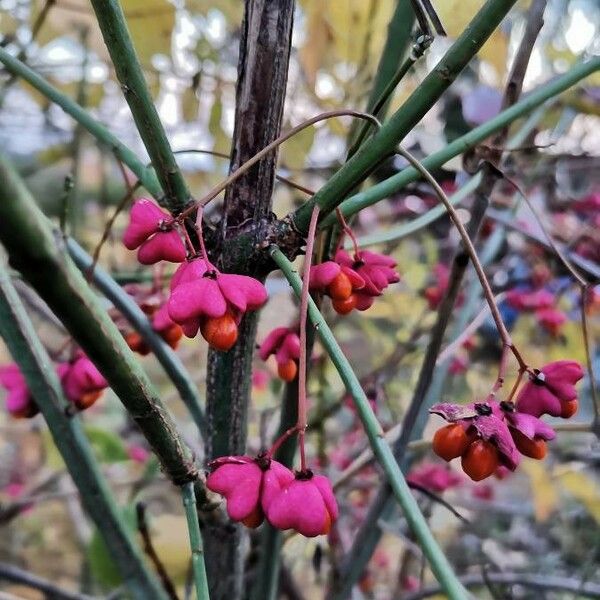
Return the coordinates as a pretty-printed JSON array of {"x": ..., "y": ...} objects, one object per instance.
[
  {"x": 48, "y": 588},
  {"x": 109, "y": 225},
  {"x": 262, "y": 79},
  {"x": 148, "y": 546},
  {"x": 539, "y": 582}
]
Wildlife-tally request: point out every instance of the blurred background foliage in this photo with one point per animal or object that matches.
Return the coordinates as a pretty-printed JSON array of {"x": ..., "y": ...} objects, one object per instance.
[{"x": 545, "y": 518}]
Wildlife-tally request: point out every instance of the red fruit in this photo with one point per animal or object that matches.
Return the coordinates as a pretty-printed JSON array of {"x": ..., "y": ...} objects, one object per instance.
[
  {"x": 28, "y": 412},
  {"x": 287, "y": 370},
  {"x": 433, "y": 295},
  {"x": 220, "y": 332},
  {"x": 340, "y": 288},
  {"x": 450, "y": 441},
  {"x": 87, "y": 400},
  {"x": 172, "y": 335},
  {"x": 569, "y": 408},
  {"x": 480, "y": 460},
  {"x": 367, "y": 583},
  {"x": 535, "y": 448},
  {"x": 136, "y": 343},
  {"x": 254, "y": 519},
  {"x": 343, "y": 307},
  {"x": 149, "y": 308}
]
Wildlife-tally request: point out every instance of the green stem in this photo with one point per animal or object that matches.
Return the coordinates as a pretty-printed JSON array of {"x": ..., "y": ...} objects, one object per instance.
[
  {"x": 418, "y": 49},
  {"x": 165, "y": 355},
  {"x": 27, "y": 350},
  {"x": 36, "y": 250},
  {"x": 191, "y": 514},
  {"x": 395, "y": 234},
  {"x": 399, "y": 232},
  {"x": 391, "y": 185},
  {"x": 438, "y": 561},
  {"x": 266, "y": 583},
  {"x": 397, "y": 41},
  {"x": 412, "y": 111},
  {"x": 145, "y": 174},
  {"x": 129, "y": 73},
  {"x": 382, "y": 507}
]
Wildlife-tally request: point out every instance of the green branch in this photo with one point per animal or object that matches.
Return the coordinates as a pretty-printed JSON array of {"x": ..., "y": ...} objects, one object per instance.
[
  {"x": 409, "y": 114},
  {"x": 383, "y": 453},
  {"x": 129, "y": 73},
  {"x": 28, "y": 352},
  {"x": 397, "y": 43},
  {"x": 391, "y": 185},
  {"x": 144, "y": 173},
  {"x": 387, "y": 75},
  {"x": 197, "y": 548},
  {"x": 37, "y": 251},
  {"x": 165, "y": 355},
  {"x": 399, "y": 232}
]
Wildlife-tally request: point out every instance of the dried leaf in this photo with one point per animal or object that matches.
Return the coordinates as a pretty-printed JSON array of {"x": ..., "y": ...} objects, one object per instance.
[{"x": 544, "y": 494}]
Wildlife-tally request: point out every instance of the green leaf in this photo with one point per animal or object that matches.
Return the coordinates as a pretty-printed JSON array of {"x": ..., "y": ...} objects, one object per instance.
[
  {"x": 101, "y": 564},
  {"x": 107, "y": 446}
]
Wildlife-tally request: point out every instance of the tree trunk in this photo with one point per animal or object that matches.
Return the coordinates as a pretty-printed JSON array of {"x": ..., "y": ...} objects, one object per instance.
[{"x": 262, "y": 77}]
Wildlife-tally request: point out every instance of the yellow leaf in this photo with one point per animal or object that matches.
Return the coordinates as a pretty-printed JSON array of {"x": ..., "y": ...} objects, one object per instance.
[
  {"x": 189, "y": 104},
  {"x": 150, "y": 23},
  {"x": 318, "y": 36},
  {"x": 543, "y": 489},
  {"x": 350, "y": 23},
  {"x": 169, "y": 537},
  {"x": 583, "y": 488},
  {"x": 294, "y": 151},
  {"x": 456, "y": 14},
  {"x": 233, "y": 10},
  {"x": 8, "y": 24}
]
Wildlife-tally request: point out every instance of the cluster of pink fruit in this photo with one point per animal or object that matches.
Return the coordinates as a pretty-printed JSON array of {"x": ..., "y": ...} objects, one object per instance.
[
  {"x": 201, "y": 297},
  {"x": 487, "y": 435},
  {"x": 350, "y": 282},
  {"x": 353, "y": 281},
  {"x": 82, "y": 384},
  {"x": 540, "y": 302},
  {"x": 152, "y": 303},
  {"x": 259, "y": 488}
]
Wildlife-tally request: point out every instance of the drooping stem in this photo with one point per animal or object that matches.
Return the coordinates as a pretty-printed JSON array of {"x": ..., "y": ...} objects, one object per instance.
[
  {"x": 200, "y": 233},
  {"x": 302, "y": 398},
  {"x": 284, "y": 437},
  {"x": 584, "y": 286},
  {"x": 217, "y": 189},
  {"x": 191, "y": 514},
  {"x": 470, "y": 249},
  {"x": 348, "y": 231},
  {"x": 438, "y": 561}
]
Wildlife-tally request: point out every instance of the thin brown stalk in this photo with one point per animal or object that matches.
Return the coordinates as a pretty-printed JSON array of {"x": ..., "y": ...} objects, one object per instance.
[
  {"x": 150, "y": 551},
  {"x": 216, "y": 190}
]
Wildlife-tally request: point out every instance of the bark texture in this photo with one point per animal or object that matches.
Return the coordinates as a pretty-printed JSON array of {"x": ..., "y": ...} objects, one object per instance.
[{"x": 262, "y": 77}]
